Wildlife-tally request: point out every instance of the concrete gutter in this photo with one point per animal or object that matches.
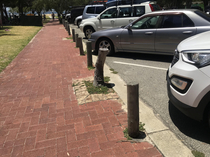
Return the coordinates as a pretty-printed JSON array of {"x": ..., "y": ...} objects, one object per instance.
[{"x": 160, "y": 135}]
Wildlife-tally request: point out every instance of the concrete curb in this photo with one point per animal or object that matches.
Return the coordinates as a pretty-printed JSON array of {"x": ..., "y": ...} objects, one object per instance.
[
  {"x": 161, "y": 136},
  {"x": 168, "y": 144}
]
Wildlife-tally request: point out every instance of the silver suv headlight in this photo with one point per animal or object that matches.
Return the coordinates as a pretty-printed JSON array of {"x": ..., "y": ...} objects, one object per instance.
[{"x": 198, "y": 58}]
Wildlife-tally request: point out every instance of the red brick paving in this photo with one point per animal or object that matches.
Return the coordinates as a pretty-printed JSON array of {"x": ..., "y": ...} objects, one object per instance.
[{"x": 39, "y": 113}]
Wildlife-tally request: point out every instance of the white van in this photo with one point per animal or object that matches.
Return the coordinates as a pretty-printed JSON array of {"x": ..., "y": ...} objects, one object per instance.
[{"x": 116, "y": 16}]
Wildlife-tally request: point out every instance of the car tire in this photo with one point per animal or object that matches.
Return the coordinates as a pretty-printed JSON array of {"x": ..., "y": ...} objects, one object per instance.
[
  {"x": 88, "y": 31},
  {"x": 79, "y": 22},
  {"x": 208, "y": 118},
  {"x": 105, "y": 43}
]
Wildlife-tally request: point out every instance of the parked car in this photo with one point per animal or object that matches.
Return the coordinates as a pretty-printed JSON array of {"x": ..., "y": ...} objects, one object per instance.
[
  {"x": 92, "y": 10},
  {"x": 78, "y": 20},
  {"x": 89, "y": 12},
  {"x": 67, "y": 16},
  {"x": 196, "y": 7},
  {"x": 188, "y": 77},
  {"x": 75, "y": 12},
  {"x": 207, "y": 9},
  {"x": 123, "y": 2},
  {"x": 158, "y": 32},
  {"x": 116, "y": 16}
]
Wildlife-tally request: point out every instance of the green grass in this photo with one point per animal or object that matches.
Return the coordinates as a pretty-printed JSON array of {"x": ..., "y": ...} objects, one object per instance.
[
  {"x": 197, "y": 153},
  {"x": 97, "y": 90},
  {"x": 141, "y": 128},
  {"x": 113, "y": 71},
  {"x": 91, "y": 67},
  {"x": 105, "y": 89},
  {"x": 13, "y": 41},
  {"x": 106, "y": 79},
  {"x": 69, "y": 38}
]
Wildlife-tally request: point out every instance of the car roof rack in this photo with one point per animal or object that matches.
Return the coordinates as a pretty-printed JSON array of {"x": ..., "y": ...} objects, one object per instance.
[
  {"x": 124, "y": 2},
  {"x": 98, "y": 2}
]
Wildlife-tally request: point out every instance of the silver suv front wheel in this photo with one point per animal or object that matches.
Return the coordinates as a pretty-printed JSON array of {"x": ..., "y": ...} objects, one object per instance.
[{"x": 88, "y": 32}]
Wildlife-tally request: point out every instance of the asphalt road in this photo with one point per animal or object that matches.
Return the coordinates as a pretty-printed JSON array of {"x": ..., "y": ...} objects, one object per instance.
[{"x": 150, "y": 72}]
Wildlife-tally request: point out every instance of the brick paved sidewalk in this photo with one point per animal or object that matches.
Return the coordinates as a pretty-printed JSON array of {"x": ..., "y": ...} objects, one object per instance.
[{"x": 39, "y": 112}]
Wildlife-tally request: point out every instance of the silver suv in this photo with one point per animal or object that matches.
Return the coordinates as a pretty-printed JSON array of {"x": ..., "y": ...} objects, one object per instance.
[
  {"x": 116, "y": 16},
  {"x": 89, "y": 12}
]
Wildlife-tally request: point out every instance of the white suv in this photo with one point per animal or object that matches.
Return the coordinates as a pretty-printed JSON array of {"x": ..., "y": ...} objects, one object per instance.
[
  {"x": 116, "y": 16},
  {"x": 188, "y": 77}
]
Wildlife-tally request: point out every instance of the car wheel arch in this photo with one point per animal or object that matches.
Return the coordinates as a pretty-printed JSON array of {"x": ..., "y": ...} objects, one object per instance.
[
  {"x": 105, "y": 38},
  {"x": 204, "y": 108}
]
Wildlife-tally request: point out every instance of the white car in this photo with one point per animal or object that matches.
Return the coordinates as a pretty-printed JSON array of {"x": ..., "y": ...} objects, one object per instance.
[
  {"x": 116, "y": 16},
  {"x": 188, "y": 77}
]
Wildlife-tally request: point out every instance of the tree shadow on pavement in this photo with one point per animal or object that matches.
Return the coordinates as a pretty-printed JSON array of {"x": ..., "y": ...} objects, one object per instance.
[{"x": 194, "y": 129}]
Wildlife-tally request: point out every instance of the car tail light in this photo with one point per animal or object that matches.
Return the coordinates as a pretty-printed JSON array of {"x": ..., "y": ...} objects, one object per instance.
[{"x": 151, "y": 7}]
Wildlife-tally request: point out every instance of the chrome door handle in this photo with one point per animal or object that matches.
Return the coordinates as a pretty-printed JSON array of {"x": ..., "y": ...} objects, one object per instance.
[
  {"x": 148, "y": 33},
  {"x": 112, "y": 21},
  {"x": 187, "y": 32},
  {"x": 130, "y": 21}
]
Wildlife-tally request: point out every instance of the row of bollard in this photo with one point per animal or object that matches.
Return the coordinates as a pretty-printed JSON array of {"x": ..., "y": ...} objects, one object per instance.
[{"x": 132, "y": 88}]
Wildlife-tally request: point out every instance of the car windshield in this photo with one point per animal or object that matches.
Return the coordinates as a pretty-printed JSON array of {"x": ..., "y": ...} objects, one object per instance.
[{"x": 203, "y": 15}]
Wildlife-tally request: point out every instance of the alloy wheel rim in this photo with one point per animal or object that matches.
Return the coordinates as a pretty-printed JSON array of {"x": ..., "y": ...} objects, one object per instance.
[
  {"x": 88, "y": 33},
  {"x": 105, "y": 44}
]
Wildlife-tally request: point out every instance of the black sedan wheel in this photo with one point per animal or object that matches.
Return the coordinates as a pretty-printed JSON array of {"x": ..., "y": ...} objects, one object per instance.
[{"x": 106, "y": 43}]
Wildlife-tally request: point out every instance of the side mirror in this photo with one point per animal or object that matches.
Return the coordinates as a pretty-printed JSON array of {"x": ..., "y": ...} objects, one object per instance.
[
  {"x": 98, "y": 17},
  {"x": 129, "y": 27}
]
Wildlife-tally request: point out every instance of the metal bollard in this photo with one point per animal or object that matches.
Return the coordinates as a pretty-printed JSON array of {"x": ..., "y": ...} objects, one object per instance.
[
  {"x": 63, "y": 20},
  {"x": 76, "y": 39},
  {"x": 66, "y": 25},
  {"x": 79, "y": 40},
  {"x": 133, "y": 109},
  {"x": 73, "y": 34},
  {"x": 69, "y": 29},
  {"x": 89, "y": 54}
]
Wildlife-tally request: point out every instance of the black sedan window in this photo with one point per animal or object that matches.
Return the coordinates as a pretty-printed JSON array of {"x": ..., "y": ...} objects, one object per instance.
[
  {"x": 146, "y": 23},
  {"x": 187, "y": 22},
  {"x": 173, "y": 21},
  {"x": 203, "y": 15}
]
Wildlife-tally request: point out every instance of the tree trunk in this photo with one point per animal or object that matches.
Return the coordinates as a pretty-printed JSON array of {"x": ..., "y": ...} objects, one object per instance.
[
  {"x": 1, "y": 10},
  {"x": 5, "y": 12},
  {"x": 188, "y": 3},
  {"x": 205, "y": 3},
  {"x": 20, "y": 6},
  {"x": 99, "y": 71}
]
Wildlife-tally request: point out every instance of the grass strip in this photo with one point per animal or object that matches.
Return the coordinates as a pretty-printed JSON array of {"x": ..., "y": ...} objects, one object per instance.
[{"x": 12, "y": 41}]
